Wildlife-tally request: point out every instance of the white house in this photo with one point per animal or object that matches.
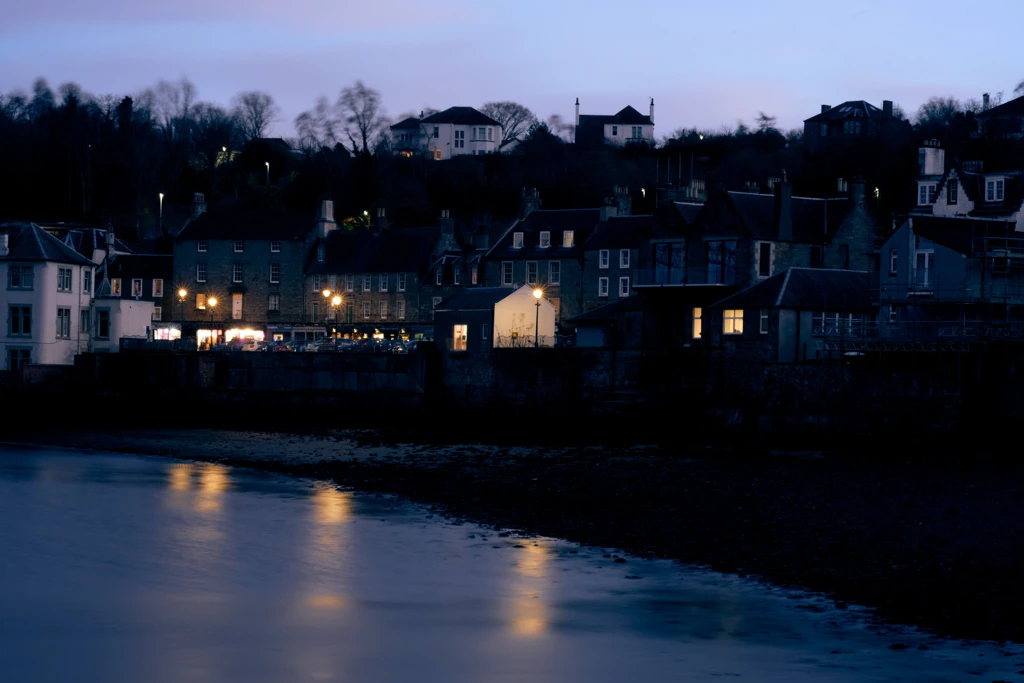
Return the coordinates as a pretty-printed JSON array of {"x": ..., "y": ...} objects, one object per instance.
[
  {"x": 47, "y": 299},
  {"x": 482, "y": 318},
  {"x": 456, "y": 131},
  {"x": 626, "y": 127}
]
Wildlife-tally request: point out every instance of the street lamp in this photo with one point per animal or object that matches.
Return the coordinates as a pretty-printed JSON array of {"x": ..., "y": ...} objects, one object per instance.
[
  {"x": 182, "y": 293},
  {"x": 161, "y": 213},
  {"x": 335, "y": 303},
  {"x": 212, "y": 303},
  {"x": 537, "y": 294},
  {"x": 268, "y": 171}
]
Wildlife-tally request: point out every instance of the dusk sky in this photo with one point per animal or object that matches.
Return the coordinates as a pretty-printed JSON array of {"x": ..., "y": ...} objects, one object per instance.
[{"x": 705, "y": 64}]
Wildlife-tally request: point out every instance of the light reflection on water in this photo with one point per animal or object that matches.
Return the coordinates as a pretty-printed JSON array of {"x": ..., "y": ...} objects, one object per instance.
[{"x": 146, "y": 569}]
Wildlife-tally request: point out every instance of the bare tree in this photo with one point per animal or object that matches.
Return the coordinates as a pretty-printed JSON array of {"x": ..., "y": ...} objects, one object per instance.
[
  {"x": 939, "y": 111},
  {"x": 559, "y": 128},
  {"x": 216, "y": 133},
  {"x": 362, "y": 117},
  {"x": 1019, "y": 90},
  {"x": 317, "y": 128},
  {"x": 765, "y": 123},
  {"x": 515, "y": 119},
  {"x": 255, "y": 112}
]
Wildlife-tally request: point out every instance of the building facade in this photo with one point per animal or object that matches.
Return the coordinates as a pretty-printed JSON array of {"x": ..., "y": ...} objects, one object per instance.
[
  {"x": 628, "y": 126},
  {"x": 456, "y": 131}
]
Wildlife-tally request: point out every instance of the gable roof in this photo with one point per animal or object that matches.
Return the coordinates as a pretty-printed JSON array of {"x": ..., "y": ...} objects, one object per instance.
[
  {"x": 476, "y": 299},
  {"x": 233, "y": 223},
  {"x": 411, "y": 123},
  {"x": 807, "y": 289},
  {"x": 854, "y": 109},
  {"x": 86, "y": 240},
  {"x": 461, "y": 116},
  {"x": 393, "y": 250},
  {"x": 1014, "y": 107},
  {"x": 622, "y": 232},
  {"x": 1013, "y": 193},
  {"x": 960, "y": 233},
  {"x": 581, "y": 221},
  {"x": 627, "y": 116},
  {"x": 688, "y": 210},
  {"x": 29, "y": 242},
  {"x": 814, "y": 220}
]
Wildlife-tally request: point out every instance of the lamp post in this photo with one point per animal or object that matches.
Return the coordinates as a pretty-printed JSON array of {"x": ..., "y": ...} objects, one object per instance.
[
  {"x": 334, "y": 301},
  {"x": 182, "y": 293},
  {"x": 161, "y": 213},
  {"x": 268, "y": 171},
  {"x": 537, "y": 294},
  {"x": 212, "y": 303}
]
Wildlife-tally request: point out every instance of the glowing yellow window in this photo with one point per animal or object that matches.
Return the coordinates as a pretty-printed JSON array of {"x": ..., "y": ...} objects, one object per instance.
[
  {"x": 732, "y": 321},
  {"x": 459, "y": 335}
]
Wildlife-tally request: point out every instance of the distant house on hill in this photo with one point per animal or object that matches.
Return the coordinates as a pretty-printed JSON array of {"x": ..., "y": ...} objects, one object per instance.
[
  {"x": 1004, "y": 121},
  {"x": 628, "y": 126},
  {"x": 456, "y": 131},
  {"x": 851, "y": 119}
]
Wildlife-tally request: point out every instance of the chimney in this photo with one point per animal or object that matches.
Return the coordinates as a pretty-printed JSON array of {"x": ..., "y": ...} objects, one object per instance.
[
  {"x": 577, "y": 112},
  {"x": 622, "y": 201},
  {"x": 446, "y": 223},
  {"x": 887, "y": 109},
  {"x": 841, "y": 186},
  {"x": 325, "y": 219},
  {"x": 825, "y": 108},
  {"x": 608, "y": 210},
  {"x": 652, "y": 110},
  {"x": 197, "y": 206},
  {"x": 857, "y": 194},
  {"x": 931, "y": 158},
  {"x": 5, "y": 245},
  {"x": 984, "y": 101},
  {"x": 381, "y": 223},
  {"x": 529, "y": 202},
  {"x": 784, "y": 210}
]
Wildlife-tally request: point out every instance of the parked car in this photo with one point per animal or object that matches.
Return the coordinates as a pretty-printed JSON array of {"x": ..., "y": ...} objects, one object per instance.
[
  {"x": 251, "y": 345},
  {"x": 282, "y": 346}
]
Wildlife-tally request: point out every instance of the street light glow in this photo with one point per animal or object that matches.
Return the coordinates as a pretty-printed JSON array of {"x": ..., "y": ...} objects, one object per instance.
[
  {"x": 336, "y": 300},
  {"x": 327, "y": 293},
  {"x": 538, "y": 293},
  {"x": 182, "y": 293},
  {"x": 212, "y": 301}
]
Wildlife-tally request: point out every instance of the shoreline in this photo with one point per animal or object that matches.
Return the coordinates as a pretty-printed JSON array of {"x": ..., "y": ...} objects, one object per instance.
[{"x": 932, "y": 545}]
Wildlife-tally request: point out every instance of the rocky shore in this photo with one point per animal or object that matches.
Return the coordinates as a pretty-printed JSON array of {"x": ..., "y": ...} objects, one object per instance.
[{"x": 927, "y": 541}]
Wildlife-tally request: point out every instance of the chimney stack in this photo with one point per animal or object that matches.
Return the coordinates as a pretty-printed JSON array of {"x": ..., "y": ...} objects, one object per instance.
[
  {"x": 857, "y": 193},
  {"x": 577, "y": 112},
  {"x": 197, "y": 206},
  {"x": 784, "y": 210},
  {"x": 446, "y": 223},
  {"x": 985, "y": 102},
  {"x": 887, "y": 109},
  {"x": 825, "y": 108},
  {"x": 325, "y": 219},
  {"x": 841, "y": 186},
  {"x": 652, "y": 110},
  {"x": 529, "y": 202},
  {"x": 931, "y": 159}
]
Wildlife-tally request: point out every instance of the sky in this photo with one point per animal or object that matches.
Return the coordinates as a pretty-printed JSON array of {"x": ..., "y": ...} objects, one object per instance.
[{"x": 706, "y": 64}]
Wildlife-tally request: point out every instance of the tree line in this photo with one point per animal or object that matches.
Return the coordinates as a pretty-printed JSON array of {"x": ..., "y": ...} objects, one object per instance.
[{"x": 69, "y": 155}]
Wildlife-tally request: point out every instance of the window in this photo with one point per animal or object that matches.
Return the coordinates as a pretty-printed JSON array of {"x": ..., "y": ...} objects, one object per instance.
[
  {"x": 764, "y": 259},
  {"x": 136, "y": 287},
  {"x": 201, "y": 246},
  {"x": 18, "y": 358},
  {"x": 732, "y": 321},
  {"x": 844, "y": 256},
  {"x": 63, "y": 279},
  {"x": 401, "y": 310},
  {"x": 239, "y": 246},
  {"x": 554, "y": 272},
  {"x": 236, "y": 272},
  {"x": 567, "y": 240},
  {"x": 456, "y": 274},
  {"x": 86, "y": 281},
  {"x": 200, "y": 302},
  {"x": 925, "y": 194},
  {"x": 603, "y": 258},
  {"x": 383, "y": 282},
  {"x": 275, "y": 247},
  {"x": 696, "y": 323},
  {"x": 952, "y": 191},
  {"x": 460, "y": 139},
  {"x": 823, "y": 130},
  {"x": 316, "y": 284},
  {"x": 158, "y": 288},
  {"x": 669, "y": 258},
  {"x": 401, "y": 282},
  {"x": 851, "y": 127},
  {"x": 638, "y": 132},
  {"x": 623, "y": 258},
  {"x": 615, "y": 130},
  {"x": 506, "y": 273},
  {"x": 602, "y": 286},
  {"x": 320, "y": 253},
  {"x": 517, "y": 240},
  {"x": 275, "y": 273},
  {"x": 474, "y": 274},
  {"x": 894, "y": 261},
  {"x": 436, "y": 302},
  {"x": 437, "y": 132},
  {"x": 545, "y": 239},
  {"x": 158, "y": 312},
  {"x": 438, "y": 275},
  {"x": 367, "y": 282},
  {"x": 490, "y": 135},
  {"x": 83, "y": 321},
  {"x": 350, "y": 282},
  {"x": 274, "y": 302},
  {"x": 623, "y": 286},
  {"x": 236, "y": 306},
  {"x": 64, "y": 323},
  {"x": 103, "y": 323},
  {"x": 923, "y": 260},
  {"x": 994, "y": 190},
  {"x": 764, "y": 321},
  {"x": 817, "y": 260},
  {"x": 200, "y": 272},
  {"x": 459, "y": 334},
  {"x": 531, "y": 272},
  {"x": 437, "y": 152},
  {"x": 892, "y": 314},
  {"x": 721, "y": 263},
  {"x": 315, "y": 311},
  {"x": 383, "y": 310},
  {"x": 366, "y": 310}
]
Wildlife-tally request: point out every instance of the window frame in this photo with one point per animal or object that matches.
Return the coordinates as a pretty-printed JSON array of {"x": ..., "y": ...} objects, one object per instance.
[
  {"x": 460, "y": 338},
  {"x": 316, "y": 282},
  {"x": 237, "y": 272},
  {"x": 99, "y": 323},
  {"x": 158, "y": 313},
  {"x": 730, "y": 318},
  {"x": 952, "y": 191},
  {"x": 201, "y": 272},
  {"x": 762, "y": 271},
  {"x": 87, "y": 280},
  {"x": 401, "y": 282},
  {"x": 202, "y": 246},
  {"x": 275, "y": 273},
  {"x": 239, "y": 247},
  {"x": 274, "y": 302},
  {"x": 382, "y": 285},
  {"x": 623, "y": 286},
  {"x": 136, "y": 290},
  {"x": 697, "y": 326},
  {"x": 21, "y": 270},
  {"x": 63, "y": 320},
  {"x": 158, "y": 292},
  {"x": 602, "y": 287},
  {"x": 535, "y": 267},
  {"x": 275, "y": 246},
  {"x": 894, "y": 261},
  {"x": 603, "y": 258},
  {"x": 568, "y": 239},
  {"x": 507, "y": 269},
  {"x": 64, "y": 278},
  {"x": 400, "y": 309},
  {"x": 545, "y": 239},
  {"x": 517, "y": 240},
  {"x": 623, "y": 258},
  {"x": 115, "y": 286},
  {"x": 383, "y": 310},
  {"x": 20, "y": 317},
  {"x": 554, "y": 273},
  {"x": 763, "y": 322},
  {"x": 200, "y": 301}
]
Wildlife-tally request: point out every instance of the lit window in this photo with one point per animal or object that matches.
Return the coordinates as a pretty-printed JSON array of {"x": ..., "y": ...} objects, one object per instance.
[
  {"x": 275, "y": 273},
  {"x": 696, "y": 323},
  {"x": 236, "y": 272},
  {"x": 567, "y": 240},
  {"x": 236, "y": 306},
  {"x": 764, "y": 321},
  {"x": 275, "y": 247},
  {"x": 158, "y": 312},
  {"x": 201, "y": 246},
  {"x": 136, "y": 287},
  {"x": 274, "y": 302},
  {"x": 383, "y": 282},
  {"x": 602, "y": 286},
  {"x": 474, "y": 274},
  {"x": 459, "y": 337},
  {"x": 200, "y": 302},
  {"x": 732, "y": 321},
  {"x": 517, "y": 240},
  {"x": 115, "y": 284},
  {"x": 604, "y": 258},
  {"x": 623, "y": 258},
  {"x": 554, "y": 272},
  {"x": 545, "y": 239},
  {"x": 623, "y": 286},
  {"x": 531, "y": 272},
  {"x": 239, "y": 246},
  {"x": 158, "y": 288}
]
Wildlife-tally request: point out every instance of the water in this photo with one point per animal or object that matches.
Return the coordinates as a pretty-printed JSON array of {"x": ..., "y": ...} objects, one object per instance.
[{"x": 120, "y": 568}]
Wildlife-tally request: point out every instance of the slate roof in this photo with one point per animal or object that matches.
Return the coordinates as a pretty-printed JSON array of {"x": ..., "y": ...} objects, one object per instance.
[
  {"x": 232, "y": 223},
  {"x": 1014, "y": 107},
  {"x": 807, "y": 289},
  {"x": 610, "y": 311},
  {"x": 688, "y": 210},
  {"x": 814, "y": 220},
  {"x": 622, "y": 232},
  {"x": 86, "y": 240},
  {"x": 959, "y": 234},
  {"x": 1013, "y": 193},
  {"x": 29, "y": 242},
  {"x": 411, "y": 123},
  {"x": 145, "y": 266},
  {"x": 394, "y": 250},
  {"x": 461, "y": 116},
  {"x": 581, "y": 221},
  {"x": 476, "y": 299},
  {"x": 591, "y": 126},
  {"x": 854, "y": 109}
]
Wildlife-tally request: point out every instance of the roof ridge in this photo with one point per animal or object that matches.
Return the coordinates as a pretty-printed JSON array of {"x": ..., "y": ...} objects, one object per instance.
[{"x": 782, "y": 289}]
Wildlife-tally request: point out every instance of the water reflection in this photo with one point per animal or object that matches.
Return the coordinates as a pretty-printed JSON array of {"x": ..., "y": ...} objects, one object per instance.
[
  {"x": 529, "y": 609},
  {"x": 213, "y": 482},
  {"x": 331, "y": 511}
]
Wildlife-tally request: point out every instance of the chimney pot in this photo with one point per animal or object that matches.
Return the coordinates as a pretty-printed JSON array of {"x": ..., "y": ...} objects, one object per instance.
[
  {"x": 825, "y": 108},
  {"x": 784, "y": 210},
  {"x": 887, "y": 108},
  {"x": 984, "y": 102}
]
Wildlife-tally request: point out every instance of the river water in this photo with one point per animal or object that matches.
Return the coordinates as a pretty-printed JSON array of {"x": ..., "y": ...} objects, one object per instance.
[{"x": 119, "y": 568}]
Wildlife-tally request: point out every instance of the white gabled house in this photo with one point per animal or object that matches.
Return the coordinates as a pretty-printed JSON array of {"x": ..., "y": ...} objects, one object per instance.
[{"x": 456, "y": 131}]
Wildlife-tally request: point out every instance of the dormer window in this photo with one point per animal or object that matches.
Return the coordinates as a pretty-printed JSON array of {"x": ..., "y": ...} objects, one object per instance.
[
  {"x": 517, "y": 240},
  {"x": 567, "y": 240},
  {"x": 545, "y": 239},
  {"x": 320, "y": 252},
  {"x": 925, "y": 194},
  {"x": 994, "y": 189}
]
